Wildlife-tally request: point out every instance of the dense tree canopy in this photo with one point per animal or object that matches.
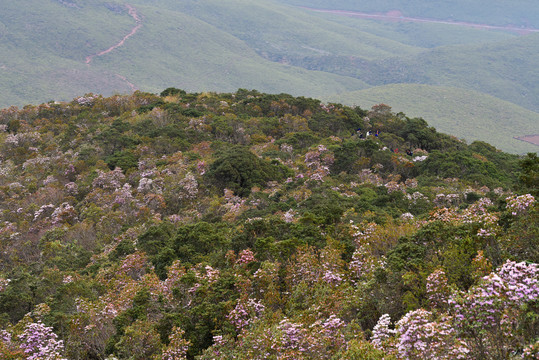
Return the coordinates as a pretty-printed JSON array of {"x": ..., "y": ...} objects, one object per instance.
[{"x": 257, "y": 226}]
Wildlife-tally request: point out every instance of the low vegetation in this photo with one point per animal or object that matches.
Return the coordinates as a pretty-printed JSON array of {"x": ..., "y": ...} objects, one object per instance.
[{"x": 248, "y": 225}]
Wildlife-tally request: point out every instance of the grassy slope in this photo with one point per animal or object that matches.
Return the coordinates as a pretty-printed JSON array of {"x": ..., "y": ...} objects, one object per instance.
[
  {"x": 463, "y": 113},
  {"x": 492, "y": 62},
  {"x": 224, "y": 45},
  {"x": 508, "y": 69},
  {"x": 43, "y": 47},
  {"x": 273, "y": 28},
  {"x": 423, "y": 35},
  {"x": 497, "y": 12},
  {"x": 171, "y": 49},
  {"x": 178, "y": 50}
]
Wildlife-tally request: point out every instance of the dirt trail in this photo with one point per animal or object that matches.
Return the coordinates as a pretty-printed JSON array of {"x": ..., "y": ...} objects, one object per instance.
[
  {"x": 397, "y": 16},
  {"x": 130, "y": 84},
  {"x": 138, "y": 20},
  {"x": 133, "y": 13}
]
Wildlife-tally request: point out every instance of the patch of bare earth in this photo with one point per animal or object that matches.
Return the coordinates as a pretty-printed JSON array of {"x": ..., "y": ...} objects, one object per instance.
[{"x": 532, "y": 139}]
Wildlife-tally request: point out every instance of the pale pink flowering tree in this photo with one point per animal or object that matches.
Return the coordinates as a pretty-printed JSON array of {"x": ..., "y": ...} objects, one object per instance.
[
  {"x": 39, "y": 342},
  {"x": 245, "y": 257},
  {"x": 519, "y": 204},
  {"x": 438, "y": 290},
  {"x": 489, "y": 314},
  {"x": 382, "y": 334},
  {"x": 419, "y": 337},
  {"x": 177, "y": 348}
]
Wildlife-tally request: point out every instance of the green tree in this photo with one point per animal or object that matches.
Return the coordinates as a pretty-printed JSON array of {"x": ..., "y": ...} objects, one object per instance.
[{"x": 239, "y": 170}]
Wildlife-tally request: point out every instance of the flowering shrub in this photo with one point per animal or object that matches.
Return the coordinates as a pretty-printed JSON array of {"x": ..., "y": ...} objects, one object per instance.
[
  {"x": 177, "y": 347},
  {"x": 438, "y": 289},
  {"x": 519, "y": 204},
  {"x": 382, "y": 334},
  {"x": 158, "y": 261},
  {"x": 39, "y": 343},
  {"x": 489, "y": 313}
]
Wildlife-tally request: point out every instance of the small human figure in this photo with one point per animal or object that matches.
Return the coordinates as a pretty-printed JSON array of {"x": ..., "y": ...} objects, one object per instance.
[
  {"x": 368, "y": 133},
  {"x": 409, "y": 152},
  {"x": 377, "y": 132}
]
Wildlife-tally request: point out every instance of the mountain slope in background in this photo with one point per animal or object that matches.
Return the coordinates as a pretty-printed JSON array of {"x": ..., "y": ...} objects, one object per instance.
[
  {"x": 62, "y": 49},
  {"x": 464, "y": 113}
]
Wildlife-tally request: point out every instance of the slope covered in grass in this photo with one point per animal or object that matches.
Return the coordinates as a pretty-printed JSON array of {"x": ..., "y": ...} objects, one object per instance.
[
  {"x": 463, "y": 113},
  {"x": 196, "y": 55},
  {"x": 273, "y": 46},
  {"x": 45, "y": 47},
  {"x": 499, "y": 12}
]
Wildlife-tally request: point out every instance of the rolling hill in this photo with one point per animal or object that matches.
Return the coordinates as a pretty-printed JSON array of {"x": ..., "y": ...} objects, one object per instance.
[
  {"x": 466, "y": 114},
  {"x": 60, "y": 49}
]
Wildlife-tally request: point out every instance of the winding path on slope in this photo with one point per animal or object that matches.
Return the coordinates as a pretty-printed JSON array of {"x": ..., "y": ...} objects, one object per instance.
[
  {"x": 133, "y": 13},
  {"x": 397, "y": 16}
]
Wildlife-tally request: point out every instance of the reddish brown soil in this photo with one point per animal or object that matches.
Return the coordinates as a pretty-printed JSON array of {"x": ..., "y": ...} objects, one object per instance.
[{"x": 532, "y": 139}]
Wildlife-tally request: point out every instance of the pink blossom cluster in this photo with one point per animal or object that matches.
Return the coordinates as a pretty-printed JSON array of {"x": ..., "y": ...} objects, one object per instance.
[
  {"x": 188, "y": 187},
  {"x": 64, "y": 213},
  {"x": 421, "y": 338},
  {"x": 393, "y": 186},
  {"x": 49, "y": 180},
  {"x": 327, "y": 107},
  {"x": 39, "y": 342},
  {"x": 489, "y": 312},
  {"x": 287, "y": 148},
  {"x": 289, "y": 216},
  {"x": 416, "y": 196},
  {"x": 363, "y": 264},
  {"x": 178, "y": 346},
  {"x": 446, "y": 199},
  {"x": 44, "y": 211},
  {"x": 201, "y": 167},
  {"x": 531, "y": 352},
  {"x": 521, "y": 279},
  {"x": 519, "y": 204},
  {"x": 318, "y": 161},
  {"x": 366, "y": 176},
  {"x": 381, "y": 333},
  {"x": 111, "y": 180},
  {"x": 5, "y": 336},
  {"x": 245, "y": 312},
  {"x": 485, "y": 233},
  {"x": 362, "y": 236},
  {"x": 475, "y": 213},
  {"x": 72, "y": 188},
  {"x": 24, "y": 139},
  {"x": 411, "y": 183},
  {"x": 87, "y": 100},
  {"x": 38, "y": 162},
  {"x": 245, "y": 257},
  {"x": 293, "y": 335},
  {"x": 419, "y": 158},
  {"x": 407, "y": 216},
  {"x": 145, "y": 185}
]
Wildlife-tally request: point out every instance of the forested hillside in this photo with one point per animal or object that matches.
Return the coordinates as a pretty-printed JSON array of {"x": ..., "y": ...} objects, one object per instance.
[{"x": 247, "y": 225}]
